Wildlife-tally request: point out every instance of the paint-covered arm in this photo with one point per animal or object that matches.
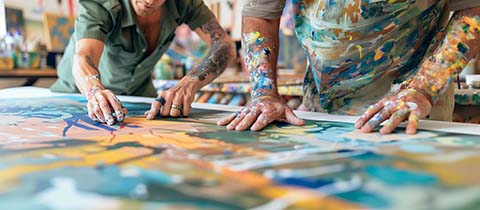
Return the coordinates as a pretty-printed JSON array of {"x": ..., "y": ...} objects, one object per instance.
[
  {"x": 460, "y": 44},
  {"x": 260, "y": 51},
  {"x": 177, "y": 100}
]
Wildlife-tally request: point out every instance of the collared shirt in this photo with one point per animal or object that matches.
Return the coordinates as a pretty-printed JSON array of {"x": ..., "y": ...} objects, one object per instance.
[
  {"x": 124, "y": 67},
  {"x": 356, "y": 49}
]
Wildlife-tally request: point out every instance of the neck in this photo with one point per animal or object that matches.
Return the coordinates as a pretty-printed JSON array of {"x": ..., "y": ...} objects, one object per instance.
[{"x": 149, "y": 19}]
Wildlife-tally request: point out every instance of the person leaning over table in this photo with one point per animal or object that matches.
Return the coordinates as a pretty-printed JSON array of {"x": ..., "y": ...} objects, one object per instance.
[
  {"x": 356, "y": 51},
  {"x": 116, "y": 44}
]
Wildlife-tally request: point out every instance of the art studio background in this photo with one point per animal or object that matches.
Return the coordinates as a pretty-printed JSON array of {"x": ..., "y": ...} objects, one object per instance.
[{"x": 40, "y": 30}]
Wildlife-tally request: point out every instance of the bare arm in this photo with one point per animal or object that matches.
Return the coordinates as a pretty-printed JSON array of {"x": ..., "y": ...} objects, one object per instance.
[
  {"x": 219, "y": 56},
  {"x": 176, "y": 101},
  {"x": 85, "y": 62},
  {"x": 101, "y": 102},
  {"x": 260, "y": 52}
]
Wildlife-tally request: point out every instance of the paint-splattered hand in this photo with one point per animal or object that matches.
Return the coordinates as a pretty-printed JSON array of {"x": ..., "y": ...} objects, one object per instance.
[
  {"x": 104, "y": 106},
  {"x": 174, "y": 102},
  {"x": 261, "y": 112},
  {"x": 408, "y": 104}
]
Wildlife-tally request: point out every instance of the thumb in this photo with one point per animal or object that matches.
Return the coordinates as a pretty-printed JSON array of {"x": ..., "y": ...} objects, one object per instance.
[
  {"x": 150, "y": 114},
  {"x": 292, "y": 118}
]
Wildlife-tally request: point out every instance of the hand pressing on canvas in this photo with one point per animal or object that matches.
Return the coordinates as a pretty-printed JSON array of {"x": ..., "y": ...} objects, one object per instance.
[
  {"x": 408, "y": 104},
  {"x": 104, "y": 106},
  {"x": 261, "y": 112},
  {"x": 174, "y": 102}
]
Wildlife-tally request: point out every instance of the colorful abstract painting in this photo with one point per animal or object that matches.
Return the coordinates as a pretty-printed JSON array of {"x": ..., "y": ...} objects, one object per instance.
[
  {"x": 54, "y": 157},
  {"x": 58, "y": 29}
]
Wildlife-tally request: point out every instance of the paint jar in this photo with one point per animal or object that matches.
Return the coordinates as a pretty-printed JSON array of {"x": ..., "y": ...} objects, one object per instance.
[{"x": 473, "y": 81}]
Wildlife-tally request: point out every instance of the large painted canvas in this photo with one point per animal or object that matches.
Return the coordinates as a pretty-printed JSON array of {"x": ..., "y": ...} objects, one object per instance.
[{"x": 52, "y": 156}]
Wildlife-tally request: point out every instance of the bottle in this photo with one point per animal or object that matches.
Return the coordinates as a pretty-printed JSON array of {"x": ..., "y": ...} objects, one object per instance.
[{"x": 164, "y": 68}]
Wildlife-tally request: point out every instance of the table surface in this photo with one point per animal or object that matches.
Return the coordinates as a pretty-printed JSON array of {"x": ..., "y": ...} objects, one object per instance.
[{"x": 50, "y": 73}]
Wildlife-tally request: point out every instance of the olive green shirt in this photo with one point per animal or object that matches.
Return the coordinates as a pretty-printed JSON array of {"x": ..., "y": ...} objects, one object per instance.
[{"x": 124, "y": 66}]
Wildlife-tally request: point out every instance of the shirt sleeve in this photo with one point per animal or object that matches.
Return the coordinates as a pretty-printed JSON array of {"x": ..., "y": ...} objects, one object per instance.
[
  {"x": 197, "y": 14},
  {"x": 93, "y": 21},
  {"x": 456, "y": 5},
  {"x": 268, "y": 9}
]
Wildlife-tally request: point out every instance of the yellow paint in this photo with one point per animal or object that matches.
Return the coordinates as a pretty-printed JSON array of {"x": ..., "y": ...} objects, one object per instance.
[{"x": 360, "y": 50}]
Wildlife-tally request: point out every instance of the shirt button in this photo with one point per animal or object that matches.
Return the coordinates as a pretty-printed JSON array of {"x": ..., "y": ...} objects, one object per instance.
[
  {"x": 143, "y": 50},
  {"x": 139, "y": 66}
]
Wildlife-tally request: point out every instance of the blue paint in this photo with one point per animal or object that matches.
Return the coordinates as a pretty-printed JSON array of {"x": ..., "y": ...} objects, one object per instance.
[
  {"x": 418, "y": 148},
  {"x": 303, "y": 182},
  {"x": 462, "y": 48},
  {"x": 398, "y": 177}
]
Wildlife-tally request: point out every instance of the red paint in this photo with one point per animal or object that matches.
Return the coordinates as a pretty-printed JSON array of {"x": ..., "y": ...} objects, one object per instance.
[{"x": 70, "y": 7}]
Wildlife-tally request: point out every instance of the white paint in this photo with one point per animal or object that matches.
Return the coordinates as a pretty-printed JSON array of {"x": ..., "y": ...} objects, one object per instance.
[{"x": 64, "y": 195}]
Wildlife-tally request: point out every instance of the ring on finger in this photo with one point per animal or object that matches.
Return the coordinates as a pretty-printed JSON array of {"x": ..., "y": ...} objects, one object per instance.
[{"x": 176, "y": 106}]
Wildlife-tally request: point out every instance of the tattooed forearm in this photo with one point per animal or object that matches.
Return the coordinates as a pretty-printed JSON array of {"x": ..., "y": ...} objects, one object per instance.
[
  {"x": 219, "y": 55},
  {"x": 460, "y": 44}
]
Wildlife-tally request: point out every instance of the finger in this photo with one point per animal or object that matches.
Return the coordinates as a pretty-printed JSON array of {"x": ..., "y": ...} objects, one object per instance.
[
  {"x": 376, "y": 120},
  {"x": 395, "y": 120},
  {"x": 177, "y": 101},
  {"x": 105, "y": 107},
  {"x": 372, "y": 110},
  {"x": 90, "y": 111},
  {"x": 154, "y": 108},
  {"x": 248, "y": 120},
  {"x": 292, "y": 118},
  {"x": 97, "y": 111},
  {"x": 263, "y": 120},
  {"x": 413, "y": 122},
  {"x": 117, "y": 106},
  {"x": 227, "y": 119},
  {"x": 187, "y": 106},
  {"x": 168, "y": 103},
  {"x": 233, "y": 124}
]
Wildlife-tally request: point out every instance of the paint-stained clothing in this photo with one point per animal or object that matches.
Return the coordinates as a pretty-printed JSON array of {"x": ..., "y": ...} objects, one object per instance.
[
  {"x": 125, "y": 68},
  {"x": 357, "y": 49}
]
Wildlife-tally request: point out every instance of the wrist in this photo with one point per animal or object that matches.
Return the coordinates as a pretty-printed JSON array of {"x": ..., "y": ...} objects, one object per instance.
[
  {"x": 428, "y": 96},
  {"x": 192, "y": 83}
]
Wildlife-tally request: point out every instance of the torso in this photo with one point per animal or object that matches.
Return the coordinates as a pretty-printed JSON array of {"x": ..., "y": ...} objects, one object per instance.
[
  {"x": 352, "y": 45},
  {"x": 150, "y": 26}
]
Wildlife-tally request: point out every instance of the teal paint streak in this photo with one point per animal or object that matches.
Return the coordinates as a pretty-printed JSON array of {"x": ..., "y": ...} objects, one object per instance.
[
  {"x": 418, "y": 148},
  {"x": 398, "y": 177},
  {"x": 367, "y": 199}
]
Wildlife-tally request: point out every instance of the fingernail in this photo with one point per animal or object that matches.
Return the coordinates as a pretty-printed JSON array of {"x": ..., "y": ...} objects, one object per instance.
[{"x": 358, "y": 125}]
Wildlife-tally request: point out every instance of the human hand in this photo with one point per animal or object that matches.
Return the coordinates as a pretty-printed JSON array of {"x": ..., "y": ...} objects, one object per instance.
[
  {"x": 104, "y": 106},
  {"x": 261, "y": 112},
  {"x": 407, "y": 104},
  {"x": 174, "y": 102}
]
